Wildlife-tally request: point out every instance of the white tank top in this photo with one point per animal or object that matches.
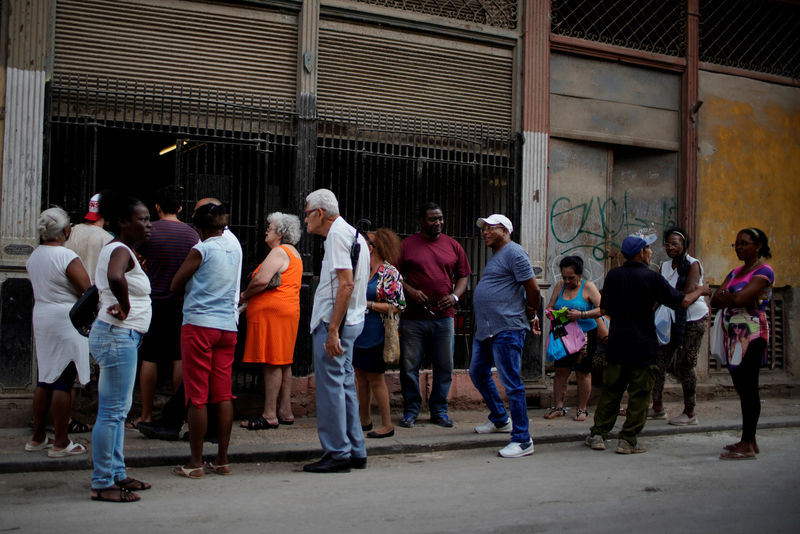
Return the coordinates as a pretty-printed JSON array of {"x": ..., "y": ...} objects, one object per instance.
[{"x": 138, "y": 291}]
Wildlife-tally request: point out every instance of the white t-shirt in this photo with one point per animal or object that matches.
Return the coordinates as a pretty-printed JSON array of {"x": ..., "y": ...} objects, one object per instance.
[
  {"x": 337, "y": 256},
  {"x": 699, "y": 309},
  {"x": 87, "y": 240},
  {"x": 138, "y": 292},
  {"x": 57, "y": 341}
]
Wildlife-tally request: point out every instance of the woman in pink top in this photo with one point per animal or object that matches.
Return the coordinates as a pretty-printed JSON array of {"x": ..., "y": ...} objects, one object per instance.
[{"x": 744, "y": 297}]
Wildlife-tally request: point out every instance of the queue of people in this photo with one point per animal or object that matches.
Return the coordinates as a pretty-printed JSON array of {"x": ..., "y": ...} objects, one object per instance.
[{"x": 190, "y": 289}]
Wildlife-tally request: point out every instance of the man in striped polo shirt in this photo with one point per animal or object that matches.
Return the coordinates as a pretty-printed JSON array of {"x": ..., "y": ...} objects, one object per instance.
[{"x": 169, "y": 244}]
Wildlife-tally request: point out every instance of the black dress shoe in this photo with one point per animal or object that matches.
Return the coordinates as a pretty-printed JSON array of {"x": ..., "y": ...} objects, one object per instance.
[
  {"x": 358, "y": 463},
  {"x": 366, "y": 427},
  {"x": 376, "y": 435},
  {"x": 329, "y": 465}
]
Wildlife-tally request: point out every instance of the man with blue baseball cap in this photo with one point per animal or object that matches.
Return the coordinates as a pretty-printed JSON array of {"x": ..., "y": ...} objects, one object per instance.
[{"x": 629, "y": 296}]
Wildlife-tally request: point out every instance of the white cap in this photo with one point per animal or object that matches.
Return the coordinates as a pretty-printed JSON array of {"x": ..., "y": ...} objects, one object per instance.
[
  {"x": 495, "y": 218},
  {"x": 94, "y": 208}
]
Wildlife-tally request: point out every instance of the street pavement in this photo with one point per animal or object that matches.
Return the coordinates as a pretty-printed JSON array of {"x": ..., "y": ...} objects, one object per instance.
[
  {"x": 679, "y": 485},
  {"x": 298, "y": 442}
]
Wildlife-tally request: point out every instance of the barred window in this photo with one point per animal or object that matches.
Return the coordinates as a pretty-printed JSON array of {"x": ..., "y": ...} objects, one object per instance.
[
  {"x": 499, "y": 13},
  {"x": 657, "y": 26},
  {"x": 755, "y": 35}
]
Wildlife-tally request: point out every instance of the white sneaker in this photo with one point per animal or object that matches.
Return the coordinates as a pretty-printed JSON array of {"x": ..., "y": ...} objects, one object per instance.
[
  {"x": 516, "y": 450},
  {"x": 490, "y": 428}
]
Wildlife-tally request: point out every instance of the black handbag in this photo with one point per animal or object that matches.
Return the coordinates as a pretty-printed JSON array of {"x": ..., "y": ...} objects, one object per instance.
[{"x": 84, "y": 312}]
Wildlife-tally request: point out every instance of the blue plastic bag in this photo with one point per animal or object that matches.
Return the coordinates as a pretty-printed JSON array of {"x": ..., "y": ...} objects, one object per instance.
[{"x": 555, "y": 349}]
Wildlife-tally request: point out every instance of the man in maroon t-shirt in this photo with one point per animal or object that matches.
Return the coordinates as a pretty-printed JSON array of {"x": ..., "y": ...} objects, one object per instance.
[{"x": 435, "y": 271}]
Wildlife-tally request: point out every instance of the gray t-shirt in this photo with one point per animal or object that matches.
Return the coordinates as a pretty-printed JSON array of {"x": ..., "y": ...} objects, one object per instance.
[{"x": 499, "y": 298}]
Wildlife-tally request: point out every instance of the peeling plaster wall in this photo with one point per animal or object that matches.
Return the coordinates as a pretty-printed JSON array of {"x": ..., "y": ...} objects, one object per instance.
[{"x": 749, "y": 172}]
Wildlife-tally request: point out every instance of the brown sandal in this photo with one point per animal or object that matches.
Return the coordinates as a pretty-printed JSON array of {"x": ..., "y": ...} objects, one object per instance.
[
  {"x": 735, "y": 446},
  {"x": 554, "y": 412},
  {"x": 124, "y": 495},
  {"x": 131, "y": 484}
]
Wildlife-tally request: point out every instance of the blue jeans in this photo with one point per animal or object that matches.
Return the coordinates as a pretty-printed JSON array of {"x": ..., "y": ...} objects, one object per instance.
[
  {"x": 433, "y": 337},
  {"x": 115, "y": 350},
  {"x": 338, "y": 424},
  {"x": 503, "y": 351}
]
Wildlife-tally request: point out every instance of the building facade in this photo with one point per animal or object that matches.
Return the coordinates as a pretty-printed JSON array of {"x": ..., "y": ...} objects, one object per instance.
[{"x": 582, "y": 120}]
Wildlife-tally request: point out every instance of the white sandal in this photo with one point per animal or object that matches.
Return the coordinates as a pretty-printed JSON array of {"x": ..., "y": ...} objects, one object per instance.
[{"x": 73, "y": 449}]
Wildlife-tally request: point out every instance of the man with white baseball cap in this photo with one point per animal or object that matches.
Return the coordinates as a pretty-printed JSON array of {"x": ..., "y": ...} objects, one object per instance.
[
  {"x": 505, "y": 303},
  {"x": 629, "y": 295}
]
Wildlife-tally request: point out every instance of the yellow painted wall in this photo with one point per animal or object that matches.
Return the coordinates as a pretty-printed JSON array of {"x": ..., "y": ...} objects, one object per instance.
[{"x": 748, "y": 172}]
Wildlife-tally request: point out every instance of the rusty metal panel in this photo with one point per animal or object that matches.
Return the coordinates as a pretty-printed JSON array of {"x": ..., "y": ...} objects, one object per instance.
[
  {"x": 438, "y": 78},
  {"x": 230, "y": 48},
  {"x": 614, "y": 82},
  {"x": 578, "y": 200},
  {"x": 613, "y": 122},
  {"x": 598, "y": 100},
  {"x": 601, "y": 193}
]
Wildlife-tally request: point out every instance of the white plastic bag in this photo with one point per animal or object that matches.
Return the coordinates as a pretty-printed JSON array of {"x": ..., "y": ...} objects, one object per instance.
[
  {"x": 716, "y": 339},
  {"x": 663, "y": 325}
]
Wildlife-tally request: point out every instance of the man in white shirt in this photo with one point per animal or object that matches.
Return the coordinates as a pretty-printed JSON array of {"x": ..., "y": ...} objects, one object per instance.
[
  {"x": 337, "y": 319},
  {"x": 89, "y": 237}
]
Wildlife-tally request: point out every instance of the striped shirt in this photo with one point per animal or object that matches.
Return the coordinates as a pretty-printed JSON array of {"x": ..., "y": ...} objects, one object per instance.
[{"x": 169, "y": 244}]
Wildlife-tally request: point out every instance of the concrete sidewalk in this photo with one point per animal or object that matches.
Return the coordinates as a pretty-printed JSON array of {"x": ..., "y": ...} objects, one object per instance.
[{"x": 298, "y": 442}]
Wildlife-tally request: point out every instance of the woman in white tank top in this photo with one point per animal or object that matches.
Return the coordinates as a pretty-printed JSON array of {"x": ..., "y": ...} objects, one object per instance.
[{"x": 123, "y": 318}]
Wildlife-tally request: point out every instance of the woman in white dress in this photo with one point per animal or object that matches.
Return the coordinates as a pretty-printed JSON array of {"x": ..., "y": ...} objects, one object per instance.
[{"x": 59, "y": 279}]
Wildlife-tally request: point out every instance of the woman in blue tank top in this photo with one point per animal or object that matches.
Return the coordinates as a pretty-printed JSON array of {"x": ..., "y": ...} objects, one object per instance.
[{"x": 582, "y": 299}]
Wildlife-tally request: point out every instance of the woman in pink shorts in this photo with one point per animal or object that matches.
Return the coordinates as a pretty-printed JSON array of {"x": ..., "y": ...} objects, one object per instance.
[{"x": 210, "y": 275}]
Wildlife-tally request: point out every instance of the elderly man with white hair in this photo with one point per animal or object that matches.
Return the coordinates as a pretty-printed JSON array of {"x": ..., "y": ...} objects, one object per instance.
[
  {"x": 337, "y": 319},
  {"x": 505, "y": 303}
]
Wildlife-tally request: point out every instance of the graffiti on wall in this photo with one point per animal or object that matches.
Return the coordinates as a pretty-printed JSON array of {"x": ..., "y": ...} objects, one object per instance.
[{"x": 594, "y": 228}]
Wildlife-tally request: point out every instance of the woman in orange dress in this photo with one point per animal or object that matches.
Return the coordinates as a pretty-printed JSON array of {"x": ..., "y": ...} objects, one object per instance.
[{"x": 273, "y": 316}]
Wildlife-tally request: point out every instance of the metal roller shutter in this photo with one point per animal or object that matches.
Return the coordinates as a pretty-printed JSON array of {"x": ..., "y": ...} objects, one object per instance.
[
  {"x": 407, "y": 73},
  {"x": 241, "y": 50}
]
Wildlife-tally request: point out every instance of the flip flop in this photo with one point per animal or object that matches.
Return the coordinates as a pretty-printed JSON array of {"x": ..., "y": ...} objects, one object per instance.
[
  {"x": 736, "y": 455},
  {"x": 187, "y": 472},
  {"x": 46, "y": 444},
  {"x": 286, "y": 422},
  {"x": 223, "y": 470},
  {"x": 554, "y": 412},
  {"x": 131, "y": 484},
  {"x": 258, "y": 423},
  {"x": 73, "y": 449},
  {"x": 124, "y": 495}
]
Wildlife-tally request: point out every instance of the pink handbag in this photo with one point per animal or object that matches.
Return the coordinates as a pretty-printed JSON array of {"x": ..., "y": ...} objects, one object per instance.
[{"x": 575, "y": 338}]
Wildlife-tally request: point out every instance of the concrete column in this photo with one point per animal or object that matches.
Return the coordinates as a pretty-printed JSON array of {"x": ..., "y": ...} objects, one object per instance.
[
  {"x": 29, "y": 45},
  {"x": 536, "y": 125}
]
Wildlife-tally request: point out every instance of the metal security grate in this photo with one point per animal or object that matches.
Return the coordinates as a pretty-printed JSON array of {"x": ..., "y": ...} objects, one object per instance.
[
  {"x": 753, "y": 35},
  {"x": 657, "y": 26},
  {"x": 499, "y": 13}
]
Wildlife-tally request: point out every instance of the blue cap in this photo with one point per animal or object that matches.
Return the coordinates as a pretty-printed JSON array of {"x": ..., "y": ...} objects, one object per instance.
[{"x": 636, "y": 242}]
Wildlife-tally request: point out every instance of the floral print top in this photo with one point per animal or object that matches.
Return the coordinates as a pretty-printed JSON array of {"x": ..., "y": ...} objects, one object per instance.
[{"x": 390, "y": 286}]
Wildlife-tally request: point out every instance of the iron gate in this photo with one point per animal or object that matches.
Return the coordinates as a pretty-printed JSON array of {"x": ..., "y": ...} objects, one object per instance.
[{"x": 244, "y": 150}]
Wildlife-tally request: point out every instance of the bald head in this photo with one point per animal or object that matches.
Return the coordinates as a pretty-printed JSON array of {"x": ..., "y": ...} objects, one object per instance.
[{"x": 204, "y": 201}]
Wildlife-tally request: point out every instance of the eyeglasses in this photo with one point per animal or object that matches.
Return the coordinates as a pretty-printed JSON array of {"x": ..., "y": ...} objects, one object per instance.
[{"x": 308, "y": 212}]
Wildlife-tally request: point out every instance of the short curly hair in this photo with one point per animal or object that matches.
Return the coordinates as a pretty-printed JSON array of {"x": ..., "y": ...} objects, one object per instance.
[
  {"x": 387, "y": 244},
  {"x": 287, "y": 226}
]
